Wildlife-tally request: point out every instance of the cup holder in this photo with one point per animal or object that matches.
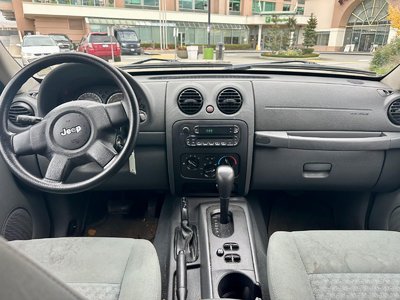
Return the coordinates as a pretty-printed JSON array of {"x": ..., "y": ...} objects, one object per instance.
[{"x": 238, "y": 286}]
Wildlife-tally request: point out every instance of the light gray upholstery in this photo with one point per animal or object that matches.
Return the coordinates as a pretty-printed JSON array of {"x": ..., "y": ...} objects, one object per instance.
[
  {"x": 99, "y": 268},
  {"x": 22, "y": 279},
  {"x": 334, "y": 265}
]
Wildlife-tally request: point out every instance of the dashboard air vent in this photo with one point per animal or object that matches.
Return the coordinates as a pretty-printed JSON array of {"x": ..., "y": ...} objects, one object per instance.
[
  {"x": 385, "y": 93},
  {"x": 394, "y": 112},
  {"x": 190, "y": 101},
  {"x": 19, "y": 108},
  {"x": 229, "y": 101}
]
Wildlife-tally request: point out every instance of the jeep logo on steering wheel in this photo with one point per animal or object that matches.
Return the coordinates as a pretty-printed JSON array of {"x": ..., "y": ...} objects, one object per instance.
[{"x": 68, "y": 131}]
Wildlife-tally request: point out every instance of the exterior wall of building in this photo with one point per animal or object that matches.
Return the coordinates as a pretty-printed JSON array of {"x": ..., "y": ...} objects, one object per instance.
[
  {"x": 70, "y": 27},
  {"x": 332, "y": 17}
]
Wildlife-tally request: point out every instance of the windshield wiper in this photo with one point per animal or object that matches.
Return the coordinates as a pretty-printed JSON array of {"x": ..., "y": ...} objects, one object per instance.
[
  {"x": 151, "y": 59},
  {"x": 269, "y": 64},
  {"x": 171, "y": 63},
  {"x": 301, "y": 65}
]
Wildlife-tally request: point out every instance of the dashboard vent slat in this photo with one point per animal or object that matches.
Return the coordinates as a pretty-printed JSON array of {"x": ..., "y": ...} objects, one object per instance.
[
  {"x": 229, "y": 101},
  {"x": 17, "y": 109},
  {"x": 394, "y": 112},
  {"x": 190, "y": 101}
]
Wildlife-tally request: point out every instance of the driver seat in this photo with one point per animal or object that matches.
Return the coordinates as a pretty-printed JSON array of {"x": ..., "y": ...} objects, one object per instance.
[{"x": 79, "y": 268}]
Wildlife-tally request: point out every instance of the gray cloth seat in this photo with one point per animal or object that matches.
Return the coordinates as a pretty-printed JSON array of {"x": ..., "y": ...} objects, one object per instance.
[
  {"x": 87, "y": 268},
  {"x": 334, "y": 265}
]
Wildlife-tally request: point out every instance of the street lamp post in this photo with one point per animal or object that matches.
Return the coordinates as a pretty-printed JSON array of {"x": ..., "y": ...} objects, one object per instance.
[{"x": 209, "y": 24}]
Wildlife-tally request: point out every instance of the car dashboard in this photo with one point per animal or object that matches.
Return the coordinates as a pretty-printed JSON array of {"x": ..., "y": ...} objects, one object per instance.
[{"x": 277, "y": 131}]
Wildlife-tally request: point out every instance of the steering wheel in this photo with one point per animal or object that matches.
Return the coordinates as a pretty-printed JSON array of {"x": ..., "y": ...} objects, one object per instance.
[{"x": 72, "y": 134}]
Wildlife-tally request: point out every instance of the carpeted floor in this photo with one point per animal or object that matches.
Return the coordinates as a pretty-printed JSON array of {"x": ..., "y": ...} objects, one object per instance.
[
  {"x": 301, "y": 211},
  {"x": 124, "y": 226}
]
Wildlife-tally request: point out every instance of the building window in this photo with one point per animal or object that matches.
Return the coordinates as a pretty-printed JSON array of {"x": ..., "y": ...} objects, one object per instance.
[
  {"x": 200, "y": 4},
  {"x": 263, "y": 6},
  {"x": 300, "y": 10},
  {"x": 234, "y": 6},
  {"x": 193, "y": 4},
  {"x": 286, "y": 7},
  {"x": 323, "y": 38},
  {"x": 301, "y": 1},
  {"x": 150, "y": 3}
]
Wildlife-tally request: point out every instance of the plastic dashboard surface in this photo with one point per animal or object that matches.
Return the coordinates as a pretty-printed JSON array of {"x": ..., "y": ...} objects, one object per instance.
[{"x": 304, "y": 132}]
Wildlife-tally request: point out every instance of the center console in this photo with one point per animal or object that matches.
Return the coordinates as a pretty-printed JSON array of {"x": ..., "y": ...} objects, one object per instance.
[
  {"x": 209, "y": 154},
  {"x": 200, "y": 146}
]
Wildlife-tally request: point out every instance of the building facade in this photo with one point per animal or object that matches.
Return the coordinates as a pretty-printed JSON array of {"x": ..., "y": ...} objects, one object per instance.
[{"x": 354, "y": 25}]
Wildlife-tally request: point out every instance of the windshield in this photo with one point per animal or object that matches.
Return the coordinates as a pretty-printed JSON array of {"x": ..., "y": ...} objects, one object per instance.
[
  {"x": 127, "y": 36},
  {"x": 101, "y": 38},
  {"x": 334, "y": 36},
  {"x": 38, "y": 41},
  {"x": 60, "y": 38}
]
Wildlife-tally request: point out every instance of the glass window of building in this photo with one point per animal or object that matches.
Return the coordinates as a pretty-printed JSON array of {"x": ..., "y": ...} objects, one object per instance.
[
  {"x": 234, "y": 6},
  {"x": 185, "y": 4},
  {"x": 323, "y": 38},
  {"x": 300, "y": 10},
  {"x": 263, "y": 6},
  {"x": 193, "y": 4},
  {"x": 152, "y": 3},
  {"x": 368, "y": 26},
  {"x": 286, "y": 7},
  {"x": 301, "y": 1}
]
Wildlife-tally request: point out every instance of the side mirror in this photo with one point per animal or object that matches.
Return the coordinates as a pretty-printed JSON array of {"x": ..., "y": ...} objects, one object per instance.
[{"x": 140, "y": 40}]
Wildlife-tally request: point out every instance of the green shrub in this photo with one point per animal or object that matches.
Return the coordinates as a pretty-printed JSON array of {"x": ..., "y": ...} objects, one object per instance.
[
  {"x": 285, "y": 54},
  {"x": 307, "y": 50},
  {"x": 386, "y": 58},
  {"x": 227, "y": 46}
]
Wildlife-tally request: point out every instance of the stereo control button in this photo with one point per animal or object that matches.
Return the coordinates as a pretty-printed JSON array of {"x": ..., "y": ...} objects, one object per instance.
[{"x": 186, "y": 130}]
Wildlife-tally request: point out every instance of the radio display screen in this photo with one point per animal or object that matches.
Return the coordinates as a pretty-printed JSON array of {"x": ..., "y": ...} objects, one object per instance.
[{"x": 217, "y": 130}]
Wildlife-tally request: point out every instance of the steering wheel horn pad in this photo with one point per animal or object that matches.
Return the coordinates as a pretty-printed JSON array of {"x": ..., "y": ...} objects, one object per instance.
[
  {"x": 72, "y": 131},
  {"x": 72, "y": 134}
]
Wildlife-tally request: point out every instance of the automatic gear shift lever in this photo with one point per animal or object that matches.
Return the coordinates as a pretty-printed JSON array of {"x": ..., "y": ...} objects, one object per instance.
[{"x": 225, "y": 177}]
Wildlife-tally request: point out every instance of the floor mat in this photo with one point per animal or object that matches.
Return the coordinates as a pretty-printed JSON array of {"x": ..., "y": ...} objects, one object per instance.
[{"x": 124, "y": 226}]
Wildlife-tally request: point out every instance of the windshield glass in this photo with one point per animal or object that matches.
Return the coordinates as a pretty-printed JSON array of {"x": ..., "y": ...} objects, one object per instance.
[
  {"x": 335, "y": 36},
  {"x": 127, "y": 36},
  {"x": 38, "y": 41},
  {"x": 101, "y": 38},
  {"x": 60, "y": 38}
]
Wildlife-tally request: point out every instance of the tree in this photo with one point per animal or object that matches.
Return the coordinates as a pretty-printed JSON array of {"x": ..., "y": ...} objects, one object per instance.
[
  {"x": 291, "y": 24},
  {"x": 394, "y": 16},
  {"x": 274, "y": 33},
  {"x": 310, "y": 35}
]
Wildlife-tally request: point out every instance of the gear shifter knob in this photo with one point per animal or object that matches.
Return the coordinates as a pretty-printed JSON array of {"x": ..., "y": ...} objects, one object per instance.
[{"x": 225, "y": 177}]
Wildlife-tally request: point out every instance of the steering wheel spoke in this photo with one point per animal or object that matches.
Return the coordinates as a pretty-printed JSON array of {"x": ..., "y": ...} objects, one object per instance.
[
  {"x": 101, "y": 153},
  {"x": 59, "y": 168},
  {"x": 117, "y": 114},
  {"x": 30, "y": 141}
]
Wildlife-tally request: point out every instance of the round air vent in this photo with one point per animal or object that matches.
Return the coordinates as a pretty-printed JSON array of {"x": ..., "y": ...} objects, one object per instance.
[
  {"x": 394, "y": 112},
  {"x": 229, "y": 101},
  {"x": 190, "y": 101},
  {"x": 19, "y": 108}
]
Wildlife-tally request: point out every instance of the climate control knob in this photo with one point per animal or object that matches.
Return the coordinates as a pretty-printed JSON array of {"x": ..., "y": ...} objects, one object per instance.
[
  {"x": 192, "y": 163},
  {"x": 228, "y": 161},
  {"x": 209, "y": 171}
]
